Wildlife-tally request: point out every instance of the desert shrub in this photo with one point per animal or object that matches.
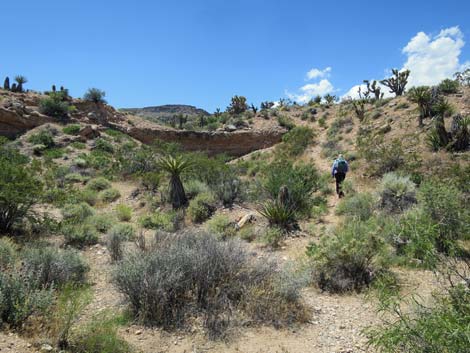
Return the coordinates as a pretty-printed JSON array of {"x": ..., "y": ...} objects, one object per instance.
[
  {"x": 382, "y": 157},
  {"x": 78, "y": 145},
  {"x": 237, "y": 105},
  {"x": 285, "y": 122},
  {"x": 20, "y": 300},
  {"x": 360, "y": 206},
  {"x": 396, "y": 193},
  {"x": 80, "y": 236},
  {"x": 72, "y": 129},
  {"x": 157, "y": 220},
  {"x": 297, "y": 140},
  {"x": 190, "y": 273},
  {"x": 349, "y": 259},
  {"x": 101, "y": 222},
  {"x": 49, "y": 267},
  {"x": 8, "y": 254},
  {"x": 273, "y": 236},
  {"x": 54, "y": 106},
  {"x": 43, "y": 137},
  {"x": 443, "y": 204},
  {"x": 228, "y": 189},
  {"x": 439, "y": 325},
  {"x": 99, "y": 184},
  {"x": 100, "y": 335},
  {"x": 54, "y": 153},
  {"x": 89, "y": 196},
  {"x": 77, "y": 213},
  {"x": 195, "y": 187},
  {"x": 125, "y": 231},
  {"x": 221, "y": 226},
  {"x": 95, "y": 95},
  {"x": 19, "y": 190},
  {"x": 103, "y": 145},
  {"x": 301, "y": 180},
  {"x": 114, "y": 244},
  {"x": 73, "y": 178},
  {"x": 124, "y": 212},
  {"x": 151, "y": 181},
  {"x": 448, "y": 86},
  {"x": 201, "y": 207},
  {"x": 109, "y": 195}
]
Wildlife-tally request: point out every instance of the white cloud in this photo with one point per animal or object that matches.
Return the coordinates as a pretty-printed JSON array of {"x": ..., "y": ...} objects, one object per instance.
[
  {"x": 430, "y": 59},
  {"x": 317, "y": 73},
  {"x": 312, "y": 90}
]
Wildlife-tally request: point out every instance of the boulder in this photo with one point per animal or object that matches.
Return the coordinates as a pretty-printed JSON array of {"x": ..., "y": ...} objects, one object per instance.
[
  {"x": 88, "y": 132},
  {"x": 248, "y": 218}
]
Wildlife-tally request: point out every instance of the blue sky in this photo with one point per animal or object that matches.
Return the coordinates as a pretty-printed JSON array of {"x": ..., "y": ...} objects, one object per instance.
[{"x": 203, "y": 52}]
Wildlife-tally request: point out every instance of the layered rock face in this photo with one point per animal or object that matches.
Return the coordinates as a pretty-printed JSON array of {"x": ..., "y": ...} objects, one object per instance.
[{"x": 20, "y": 113}]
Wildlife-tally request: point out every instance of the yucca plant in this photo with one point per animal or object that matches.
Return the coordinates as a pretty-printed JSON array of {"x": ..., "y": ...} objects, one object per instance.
[
  {"x": 422, "y": 96},
  {"x": 175, "y": 166},
  {"x": 21, "y": 80},
  {"x": 433, "y": 141},
  {"x": 278, "y": 214}
]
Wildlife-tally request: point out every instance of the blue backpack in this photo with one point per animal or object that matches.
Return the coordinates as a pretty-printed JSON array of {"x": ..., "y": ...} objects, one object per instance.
[{"x": 341, "y": 166}]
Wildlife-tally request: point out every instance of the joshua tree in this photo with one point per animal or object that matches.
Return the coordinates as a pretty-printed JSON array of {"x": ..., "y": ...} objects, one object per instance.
[
  {"x": 14, "y": 88},
  {"x": 238, "y": 105},
  {"x": 53, "y": 88},
  {"x": 175, "y": 166},
  {"x": 20, "y": 80},
  {"x": 6, "y": 83},
  {"x": 95, "y": 95},
  {"x": 266, "y": 105},
  {"x": 372, "y": 88},
  {"x": 254, "y": 108},
  {"x": 202, "y": 120},
  {"x": 421, "y": 95},
  {"x": 397, "y": 82},
  {"x": 360, "y": 108},
  {"x": 330, "y": 98},
  {"x": 217, "y": 113}
]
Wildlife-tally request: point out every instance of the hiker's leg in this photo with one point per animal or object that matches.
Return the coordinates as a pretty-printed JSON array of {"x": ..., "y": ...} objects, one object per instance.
[
  {"x": 337, "y": 183},
  {"x": 341, "y": 179}
]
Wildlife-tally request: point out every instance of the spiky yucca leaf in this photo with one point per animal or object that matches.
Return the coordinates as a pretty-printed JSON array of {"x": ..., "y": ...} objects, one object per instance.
[
  {"x": 278, "y": 214},
  {"x": 174, "y": 165}
]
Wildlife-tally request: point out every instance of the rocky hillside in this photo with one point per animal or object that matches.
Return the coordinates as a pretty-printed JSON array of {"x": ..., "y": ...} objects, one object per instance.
[{"x": 163, "y": 113}]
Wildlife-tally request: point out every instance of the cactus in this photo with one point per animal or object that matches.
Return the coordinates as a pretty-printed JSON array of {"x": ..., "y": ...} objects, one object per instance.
[
  {"x": 14, "y": 88},
  {"x": 372, "y": 88},
  {"x": 53, "y": 88},
  {"x": 6, "y": 83},
  {"x": 398, "y": 82},
  {"x": 283, "y": 197},
  {"x": 266, "y": 105},
  {"x": 254, "y": 108}
]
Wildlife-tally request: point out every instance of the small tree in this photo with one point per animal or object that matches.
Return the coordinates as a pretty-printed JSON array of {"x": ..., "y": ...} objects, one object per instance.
[
  {"x": 19, "y": 191},
  {"x": 397, "y": 82},
  {"x": 6, "y": 84},
  {"x": 20, "y": 80},
  {"x": 238, "y": 105},
  {"x": 329, "y": 99},
  {"x": 175, "y": 166},
  {"x": 372, "y": 88},
  {"x": 95, "y": 95},
  {"x": 421, "y": 95}
]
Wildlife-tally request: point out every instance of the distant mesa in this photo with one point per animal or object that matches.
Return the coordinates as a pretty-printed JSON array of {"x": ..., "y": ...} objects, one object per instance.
[{"x": 162, "y": 113}]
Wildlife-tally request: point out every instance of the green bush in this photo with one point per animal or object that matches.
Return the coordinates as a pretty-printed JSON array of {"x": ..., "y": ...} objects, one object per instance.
[
  {"x": 439, "y": 325},
  {"x": 124, "y": 212},
  {"x": 273, "y": 235},
  {"x": 20, "y": 299},
  {"x": 72, "y": 129},
  {"x": 77, "y": 213},
  {"x": 8, "y": 254},
  {"x": 95, "y": 95},
  {"x": 396, "y": 193},
  {"x": 43, "y": 137},
  {"x": 100, "y": 335},
  {"x": 201, "y": 208},
  {"x": 73, "y": 178},
  {"x": 279, "y": 215},
  {"x": 54, "y": 153},
  {"x": 349, "y": 259},
  {"x": 89, "y": 196},
  {"x": 103, "y": 145},
  {"x": 360, "y": 206},
  {"x": 285, "y": 122},
  {"x": 448, "y": 86},
  {"x": 221, "y": 226},
  {"x": 80, "y": 236},
  {"x": 19, "y": 190},
  {"x": 302, "y": 180},
  {"x": 157, "y": 220},
  {"x": 194, "y": 187},
  {"x": 78, "y": 145},
  {"x": 54, "y": 106},
  {"x": 124, "y": 231},
  {"x": 109, "y": 195},
  {"x": 48, "y": 267},
  {"x": 442, "y": 202},
  {"x": 297, "y": 140},
  {"x": 101, "y": 222},
  {"x": 99, "y": 184}
]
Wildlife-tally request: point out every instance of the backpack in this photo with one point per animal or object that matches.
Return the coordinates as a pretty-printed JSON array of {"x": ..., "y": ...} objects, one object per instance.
[{"x": 341, "y": 166}]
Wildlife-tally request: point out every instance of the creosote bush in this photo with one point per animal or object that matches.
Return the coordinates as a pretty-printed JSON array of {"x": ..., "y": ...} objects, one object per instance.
[
  {"x": 109, "y": 195},
  {"x": 201, "y": 207},
  {"x": 221, "y": 226},
  {"x": 124, "y": 212},
  {"x": 359, "y": 206},
  {"x": 95, "y": 95},
  {"x": 101, "y": 222},
  {"x": 349, "y": 259},
  {"x": 191, "y": 273},
  {"x": 297, "y": 140},
  {"x": 396, "y": 193},
  {"x": 99, "y": 184},
  {"x": 80, "y": 235}
]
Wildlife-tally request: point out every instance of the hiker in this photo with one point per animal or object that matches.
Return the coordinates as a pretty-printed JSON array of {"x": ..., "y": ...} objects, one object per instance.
[{"x": 338, "y": 171}]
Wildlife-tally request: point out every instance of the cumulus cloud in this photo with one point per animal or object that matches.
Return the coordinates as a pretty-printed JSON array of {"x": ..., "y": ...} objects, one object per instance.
[
  {"x": 317, "y": 73},
  {"x": 432, "y": 59},
  {"x": 311, "y": 90},
  {"x": 429, "y": 58}
]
